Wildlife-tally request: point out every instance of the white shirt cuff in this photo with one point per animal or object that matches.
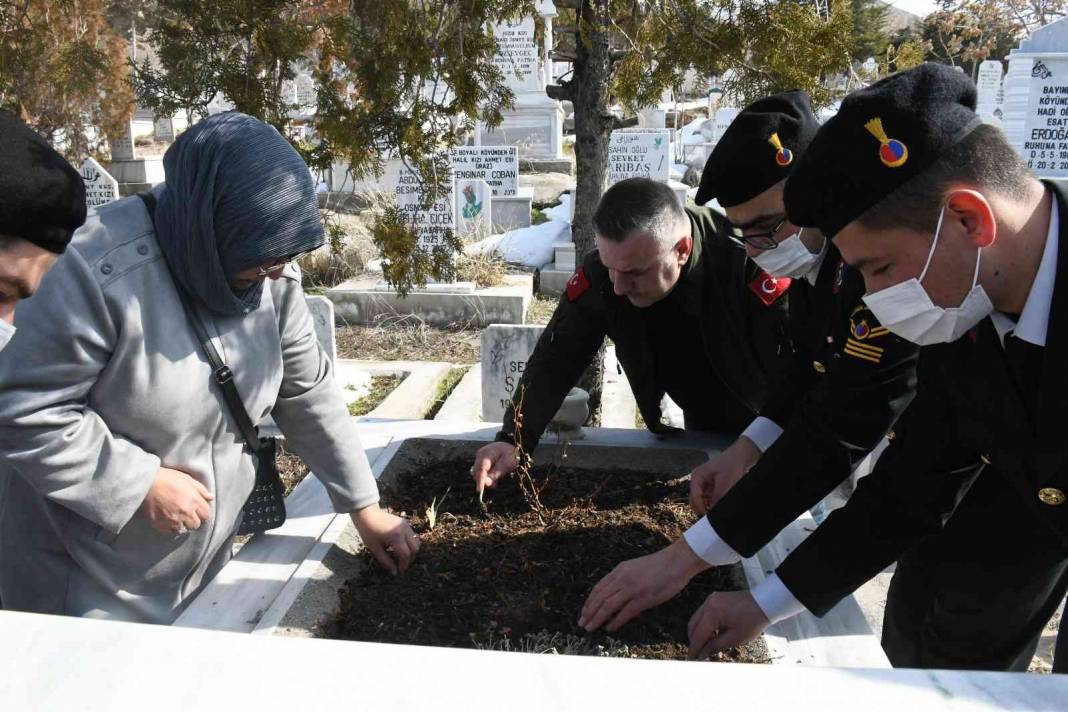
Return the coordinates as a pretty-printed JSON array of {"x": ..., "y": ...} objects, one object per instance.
[
  {"x": 775, "y": 599},
  {"x": 763, "y": 432},
  {"x": 704, "y": 541}
]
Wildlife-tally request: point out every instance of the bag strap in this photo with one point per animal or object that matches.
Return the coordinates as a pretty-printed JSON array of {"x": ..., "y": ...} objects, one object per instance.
[{"x": 224, "y": 377}]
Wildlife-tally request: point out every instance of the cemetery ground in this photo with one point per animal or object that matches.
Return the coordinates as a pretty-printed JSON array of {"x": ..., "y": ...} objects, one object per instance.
[{"x": 511, "y": 572}]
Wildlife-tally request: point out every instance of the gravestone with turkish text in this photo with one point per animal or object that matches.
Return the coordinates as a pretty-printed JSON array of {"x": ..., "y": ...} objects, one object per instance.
[
  {"x": 433, "y": 223},
  {"x": 723, "y": 118},
  {"x": 163, "y": 128},
  {"x": 1045, "y": 145},
  {"x": 322, "y": 313},
  {"x": 644, "y": 153},
  {"x": 517, "y": 55},
  {"x": 505, "y": 349},
  {"x": 497, "y": 165},
  {"x": 100, "y": 187}
]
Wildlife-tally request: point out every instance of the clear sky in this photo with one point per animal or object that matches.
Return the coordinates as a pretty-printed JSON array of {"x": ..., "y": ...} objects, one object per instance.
[{"x": 916, "y": 7}]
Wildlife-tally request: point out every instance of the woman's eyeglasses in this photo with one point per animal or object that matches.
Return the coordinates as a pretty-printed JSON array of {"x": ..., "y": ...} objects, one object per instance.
[{"x": 277, "y": 266}]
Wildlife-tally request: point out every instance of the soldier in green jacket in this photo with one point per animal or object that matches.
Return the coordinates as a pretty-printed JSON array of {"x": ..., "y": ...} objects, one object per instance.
[{"x": 689, "y": 314}]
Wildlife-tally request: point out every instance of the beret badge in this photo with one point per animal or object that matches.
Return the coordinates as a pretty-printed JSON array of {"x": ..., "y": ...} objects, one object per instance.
[
  {"x": 783, "y": 155},
  {"x": 892, "y": 152}
]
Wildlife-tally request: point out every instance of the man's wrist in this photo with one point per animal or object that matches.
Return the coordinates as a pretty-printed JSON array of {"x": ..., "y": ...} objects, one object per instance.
[{"x": 684, "y": 561}]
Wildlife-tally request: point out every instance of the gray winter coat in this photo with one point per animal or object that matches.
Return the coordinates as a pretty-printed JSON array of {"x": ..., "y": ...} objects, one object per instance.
[{"x": 105, "y": 382}]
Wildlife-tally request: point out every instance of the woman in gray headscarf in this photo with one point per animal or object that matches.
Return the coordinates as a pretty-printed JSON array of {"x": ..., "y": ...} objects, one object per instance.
[{"x": 122, "y": 474}]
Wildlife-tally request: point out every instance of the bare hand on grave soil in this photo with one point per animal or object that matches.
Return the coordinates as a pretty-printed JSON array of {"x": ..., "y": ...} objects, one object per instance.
[
  {"x": 492, "y": 462},
  {"x": 724, "y": 620},
  {"x": 638, "y": 585},
  {"x": 176, "y": 503},
  {"x": 389, "y": 538},
  {"x": 710, "y": 481}
]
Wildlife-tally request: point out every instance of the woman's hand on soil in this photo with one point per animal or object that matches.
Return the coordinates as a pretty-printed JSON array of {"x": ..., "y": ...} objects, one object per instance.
[
  {"x": 176, "y": 502},
  {"x": 710, "y": 481},
  {"x": 724, "y": 620},
  {"x": 492, "y": 462},
  {"x": 638, "y": 585},
  {"x": 389, "y": 538}
]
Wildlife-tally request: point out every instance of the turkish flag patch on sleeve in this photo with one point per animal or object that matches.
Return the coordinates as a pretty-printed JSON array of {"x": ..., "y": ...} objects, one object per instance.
[
  {"x": 768, "y": 288},
  {"x": 578, "y": 284}
]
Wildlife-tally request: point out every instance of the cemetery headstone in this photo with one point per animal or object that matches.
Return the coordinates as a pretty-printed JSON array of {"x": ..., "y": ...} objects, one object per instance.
[
  {"x": 100, "y": 187},
  {"x": 989, "y": 89},
  {"x": 322, "y": 312},
  {"x": 505, "y": 349},
  {"x": 473, "y": 208},
  {"x": 431, "y": 224},
  {"x": 122, "y": 147},
  {"x": 644, "y": 153},
  {"x": 163, "y": 128},
  {"x": 517, "y": 55},
  {"x": 497, "y": 165},
  {"x": 723, "y": 118},
  {"x": 306, "y": 94},
  {"x": 1045, "y": 145}
]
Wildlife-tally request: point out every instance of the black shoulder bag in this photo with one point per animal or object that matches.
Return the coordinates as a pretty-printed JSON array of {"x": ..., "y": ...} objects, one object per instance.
[{"x": 265, "y": 508}]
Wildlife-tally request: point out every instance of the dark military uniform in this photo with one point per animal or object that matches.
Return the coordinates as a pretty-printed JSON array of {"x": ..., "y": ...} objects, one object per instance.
[
  {"x": 978, "y": 435},
  {"x": 849, "y": 382},
  {"x": 711, "y": 344},
  {"x": 983, "y": 438}
]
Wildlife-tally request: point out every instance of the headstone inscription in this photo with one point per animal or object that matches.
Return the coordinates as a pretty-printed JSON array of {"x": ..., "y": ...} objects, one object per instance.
[
  {"x": 100, "y": 187},
  {"x": 497, "y": 165},
  {"x": 431, "y": 223},
  {"x": 122, "y": 146},
  {"x": 322, "y": 313},
  {"x": 505, "y": 349},
  {"x": 644, "y": 153},
  {"x": 988, "y": 85},
  {"x": 1045, "y": 146}
]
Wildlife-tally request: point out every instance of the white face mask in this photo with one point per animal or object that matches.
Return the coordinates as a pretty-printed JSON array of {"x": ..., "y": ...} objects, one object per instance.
[
  {"x": 6, "y": 332},
  {"x": 790, "y": 259},
  {"x": 907, "y": 310}
]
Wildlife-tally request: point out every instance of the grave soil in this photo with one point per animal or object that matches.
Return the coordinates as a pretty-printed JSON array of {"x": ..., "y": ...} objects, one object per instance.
[{"x": 508, "y": 577}]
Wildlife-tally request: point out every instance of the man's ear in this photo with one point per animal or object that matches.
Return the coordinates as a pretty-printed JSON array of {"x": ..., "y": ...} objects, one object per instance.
[
  {"x": 683, "y": 249},
  {"x": 973, "y": 212}
]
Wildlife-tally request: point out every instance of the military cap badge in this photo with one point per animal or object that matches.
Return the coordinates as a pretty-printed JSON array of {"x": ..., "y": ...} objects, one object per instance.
[
  {"x": 783, "y": 155},
  {"x": 892, "y": 152}
]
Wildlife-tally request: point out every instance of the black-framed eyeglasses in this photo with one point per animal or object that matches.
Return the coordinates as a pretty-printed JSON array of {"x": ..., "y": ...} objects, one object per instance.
[{"x": 761, "y": 240}]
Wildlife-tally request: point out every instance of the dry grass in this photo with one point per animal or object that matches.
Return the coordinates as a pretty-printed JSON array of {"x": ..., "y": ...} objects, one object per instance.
[
  {"x": 445, "y": 388},
  {"x": 381, "y": 386},
  {"x": 541, "y": 309},
  {"x": 409, "y": 338},
  {"x": 485, "y": 270},
  {"x": 332, "y": 264}
]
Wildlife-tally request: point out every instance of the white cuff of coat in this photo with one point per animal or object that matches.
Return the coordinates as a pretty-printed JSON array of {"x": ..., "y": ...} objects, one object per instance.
[
  {"x": 775, "y": 599},
  {"x": 704, "y": 541},
  {"x": 763, "y": 432}
]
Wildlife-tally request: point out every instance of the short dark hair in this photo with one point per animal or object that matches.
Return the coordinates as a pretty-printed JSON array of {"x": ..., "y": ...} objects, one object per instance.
[
  {"x": 638, "y": 205},
  {"x": 983, "y": 159}
]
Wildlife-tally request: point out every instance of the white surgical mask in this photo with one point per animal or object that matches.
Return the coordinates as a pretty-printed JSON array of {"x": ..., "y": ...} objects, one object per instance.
[
  {"x": 907, "y": 310},
  {"x": 790, "y": 259},
  {"x": 6, "y": 332}
]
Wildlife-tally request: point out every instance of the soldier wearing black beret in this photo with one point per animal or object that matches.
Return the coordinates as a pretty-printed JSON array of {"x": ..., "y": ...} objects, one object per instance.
[
  {"x": 42, "y": 203},
  {"x": 689, "y": 314},
  {"x": 849, "y": 379},
  {"x": 964, "y": 252}
]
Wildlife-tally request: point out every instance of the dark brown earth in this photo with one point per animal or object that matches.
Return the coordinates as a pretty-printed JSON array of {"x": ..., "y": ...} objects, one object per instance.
[{"x": 513, "y": 578}]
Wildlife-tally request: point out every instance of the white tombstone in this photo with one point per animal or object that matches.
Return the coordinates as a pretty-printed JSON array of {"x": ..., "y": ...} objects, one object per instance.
[
  {"x": 536, "y": 124},
  {"x": 431, "y": 223},
  {"x": 505, "y": 349},
  {"x": 988, "y": 86},
  {"x": 122, "y": 147},
  {"x": 322, "y": 313},
  {"x": 723, "y": 118},
  {"x": 474, "y": 200},
  {"x": 497, "y": 165},
  {"x": 870, "y": 68},
  {"x": 1036, "y": 100},
  {"x": 652, "y": 117},
  {"x": 306, "y": 94},
  {"x": 642, "y": 153},
  {"x": 163, "y": 128},
  {"x": 100, "y": 187}
]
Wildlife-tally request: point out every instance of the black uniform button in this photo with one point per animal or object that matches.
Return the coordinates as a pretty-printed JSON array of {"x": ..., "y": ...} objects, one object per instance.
[{"x": 1051, "y": 496}]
